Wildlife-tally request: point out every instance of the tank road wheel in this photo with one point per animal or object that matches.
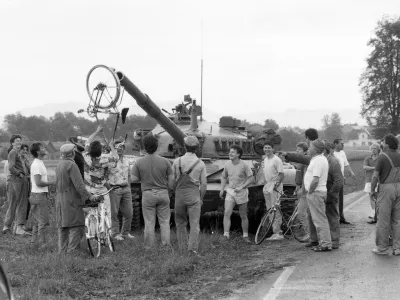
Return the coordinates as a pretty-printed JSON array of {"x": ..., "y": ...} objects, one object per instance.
[{"x": 265, "y": 227}]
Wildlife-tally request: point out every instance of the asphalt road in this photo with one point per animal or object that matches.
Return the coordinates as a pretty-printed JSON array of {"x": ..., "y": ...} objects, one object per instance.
[{"x": 351, "y": 272}]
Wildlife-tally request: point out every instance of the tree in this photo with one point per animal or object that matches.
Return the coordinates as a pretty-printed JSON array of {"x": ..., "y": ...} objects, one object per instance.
[
  {"x": 270, "y": 123},
  {"x": 332, "y": 126},
  {"x": 380, "y": 82},
  {"x": 290, "y": 138}
]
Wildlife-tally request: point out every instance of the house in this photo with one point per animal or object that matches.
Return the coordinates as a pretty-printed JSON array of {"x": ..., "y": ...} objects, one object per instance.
[{"x": 357, "y": 136}]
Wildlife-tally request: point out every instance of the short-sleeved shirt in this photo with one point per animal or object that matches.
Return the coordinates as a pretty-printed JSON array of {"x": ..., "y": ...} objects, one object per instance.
[
  {"x": 119, "y": 174},
  {"x": 153, "y": 171},
  {"x": 199, "y": 172},
  {"x": 96, "y": 171},
  {"x": 318, "y": 167},
  {"x": 272, "y": 167},
  {"x": 369, "y": 161},
  {"x": 342, "y": 158},
  {"x": 237, "y": 174},
  {"x": 15, "y": 164},
  {"x": 38, "y": 168},
  {"x": 383, "y": 165}
]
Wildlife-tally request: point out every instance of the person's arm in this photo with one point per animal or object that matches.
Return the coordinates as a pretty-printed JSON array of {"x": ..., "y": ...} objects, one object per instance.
[
  {"x": 92, "y": 137},
  {"x": 170, "y": 176},
  {"x": 297, "y": 158},
  {"x": 135, "y": 177},
  {"x": 367, "y": 167},
  {"x": 77, "y": 181},
  {"x": 347, "y": 166},
  {"x": 337, "y": 179},
  {"x": 248, "y": 181},
  {"x": 203, "y": 183},
  {"x": 41, "y": 183},
  {"x": 223, "y": 182},
  {"x": 314, "y": 184},
  {"x": 12, "y": 158},
  {"x": 378, "y": 169}
]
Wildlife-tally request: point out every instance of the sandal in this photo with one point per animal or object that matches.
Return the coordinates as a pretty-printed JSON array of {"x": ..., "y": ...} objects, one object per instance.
[{"x": 321, "y": 249}]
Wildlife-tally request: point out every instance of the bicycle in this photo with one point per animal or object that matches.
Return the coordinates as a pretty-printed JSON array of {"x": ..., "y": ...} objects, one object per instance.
[
  {"x": 98, "y": 225},
  {"x": 292, "y": 225}
]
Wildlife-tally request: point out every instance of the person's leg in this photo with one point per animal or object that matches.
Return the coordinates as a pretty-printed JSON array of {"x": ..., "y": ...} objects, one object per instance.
[
  {"x": 115, "y": 200},
  {"x": 311, "y": 226},
  {"x": 386, "y": 198},
  {"x": 43, "y": 219},
  {"x": 302, "y": 211},
  {"x": 126, "y": 210},
  {"x": 396, "y": 221},
  {"x": 149, "y": 215},
  {"x": 318, "y": 211},
  {"x": 35, "y": 222},
  {"x": 181, "y": 220},
  {"x": 245, "y": 220},
  {"x": 63, "y": 235},
  {"x": 13, "y": 194},
  {"x": 341, "y": 214},
  {"x": 229, "y": 205},
  {"x": 75, "y": 236},
  {"x": 194, "y": 211},
  {"x": 22, "y": 206},
  {"x": 164, "y": 216},
  {"x": 332, "y": 214}
]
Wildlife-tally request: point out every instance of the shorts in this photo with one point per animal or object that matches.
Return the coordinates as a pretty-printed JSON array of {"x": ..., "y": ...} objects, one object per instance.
[
  {"x": 237, "y": 200},
  {"x": 367, "y": 187}
]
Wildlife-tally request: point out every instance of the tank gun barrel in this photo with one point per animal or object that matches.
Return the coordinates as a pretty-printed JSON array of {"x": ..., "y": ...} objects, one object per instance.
[{"x": 151, "y": 108}]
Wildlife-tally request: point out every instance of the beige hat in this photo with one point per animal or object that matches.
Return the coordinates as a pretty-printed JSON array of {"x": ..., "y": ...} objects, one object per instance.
[
  {"x": 67, "y": 148},
  {"x": 191, "y": 141}
]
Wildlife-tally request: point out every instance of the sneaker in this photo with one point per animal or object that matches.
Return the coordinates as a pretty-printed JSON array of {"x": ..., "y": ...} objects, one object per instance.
[
  {"x": 380, "y": 252},
  {"x": 118, "y": 237},
  {"x": 6, "y": 230},
  {"x": 246, "y": 240},
  {"x": 276, "y": 237},
  {"x": 22, "y": 232},
  {"x": 129, "y": 236},
  {"x": 321, "y": 249},
  {"x": 311, "y": 244},
  {"x": 225, "y": 237}
]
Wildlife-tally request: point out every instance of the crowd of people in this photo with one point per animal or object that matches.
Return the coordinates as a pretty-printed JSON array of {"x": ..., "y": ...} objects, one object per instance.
[{"x": 85, "y": 171}]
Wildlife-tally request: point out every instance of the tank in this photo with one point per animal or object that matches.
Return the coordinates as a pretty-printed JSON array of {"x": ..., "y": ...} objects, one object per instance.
[{"x": 215, "y": 141}]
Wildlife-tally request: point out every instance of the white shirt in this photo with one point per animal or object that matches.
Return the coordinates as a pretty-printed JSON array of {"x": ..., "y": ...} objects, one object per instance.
[
  {"x": 38, "y": 168},
  {"x": 6, "y": 170},
  {"x": 318, "y": 167},
  {"x": 272, "y": 167},
  {"x": 342, "y": 158}
]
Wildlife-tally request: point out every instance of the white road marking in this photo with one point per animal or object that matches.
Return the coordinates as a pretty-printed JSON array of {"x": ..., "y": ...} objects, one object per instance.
[
  {"x": 273, "y": 293},
  {"x": 354, "y": 203}
]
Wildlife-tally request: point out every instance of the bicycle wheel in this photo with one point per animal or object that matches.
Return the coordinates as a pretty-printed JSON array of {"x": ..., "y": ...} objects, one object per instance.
[
  {"x": 94, "y": 246},
  {"x": 5, "y": 288},
  {"x": 265, "y": 227},
  {"x": 298, "y": 229},
  {"x": 110, "y": 243}
]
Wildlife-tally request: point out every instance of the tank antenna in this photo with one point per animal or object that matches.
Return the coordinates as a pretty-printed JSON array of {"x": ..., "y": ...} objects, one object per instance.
[{"x": 201, "y": 77}]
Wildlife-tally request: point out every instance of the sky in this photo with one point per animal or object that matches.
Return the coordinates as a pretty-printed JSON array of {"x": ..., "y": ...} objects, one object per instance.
[{"x": 258, "y": 56}]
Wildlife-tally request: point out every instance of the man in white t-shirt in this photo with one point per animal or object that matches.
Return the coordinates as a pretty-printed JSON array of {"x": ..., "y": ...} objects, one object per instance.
[
  {"x": 273, "y": 174},
  {"x": 39, "y": 194},
  {"x": 315, "y": 180},
  {"x": 344, "y": 164}
]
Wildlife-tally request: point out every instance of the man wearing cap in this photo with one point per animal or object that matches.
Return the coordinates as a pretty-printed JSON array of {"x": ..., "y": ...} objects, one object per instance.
[
  {"x": 191, "y": 184},
  {"x": 333, "y": 185},
  {"x": 239, "y": 176},
  {"x": 315, "y": 180},
  {"x": 121, "y": 198},
  {"x": 70, "y": 200},
  {"x": 155, "y": 175}
]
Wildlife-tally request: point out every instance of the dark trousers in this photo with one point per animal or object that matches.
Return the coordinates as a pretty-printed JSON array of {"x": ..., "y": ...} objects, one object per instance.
[
  {"x": 342, "y": 218},
  {"x": 332, "y": 213}
]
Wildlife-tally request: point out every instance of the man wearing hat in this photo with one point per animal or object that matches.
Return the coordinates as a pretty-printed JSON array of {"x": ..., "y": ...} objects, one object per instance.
[
  {"x": 315, "y": 180},
  {"x": 70, "y": 200},
  {"x": 333, "y": 185},
  {"x": 121, "y": 198},
  {"x": 191, "y": 184}
]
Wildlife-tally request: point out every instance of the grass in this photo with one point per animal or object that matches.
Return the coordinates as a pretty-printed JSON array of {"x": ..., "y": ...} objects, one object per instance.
[{"x": 356, "y": 155}]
